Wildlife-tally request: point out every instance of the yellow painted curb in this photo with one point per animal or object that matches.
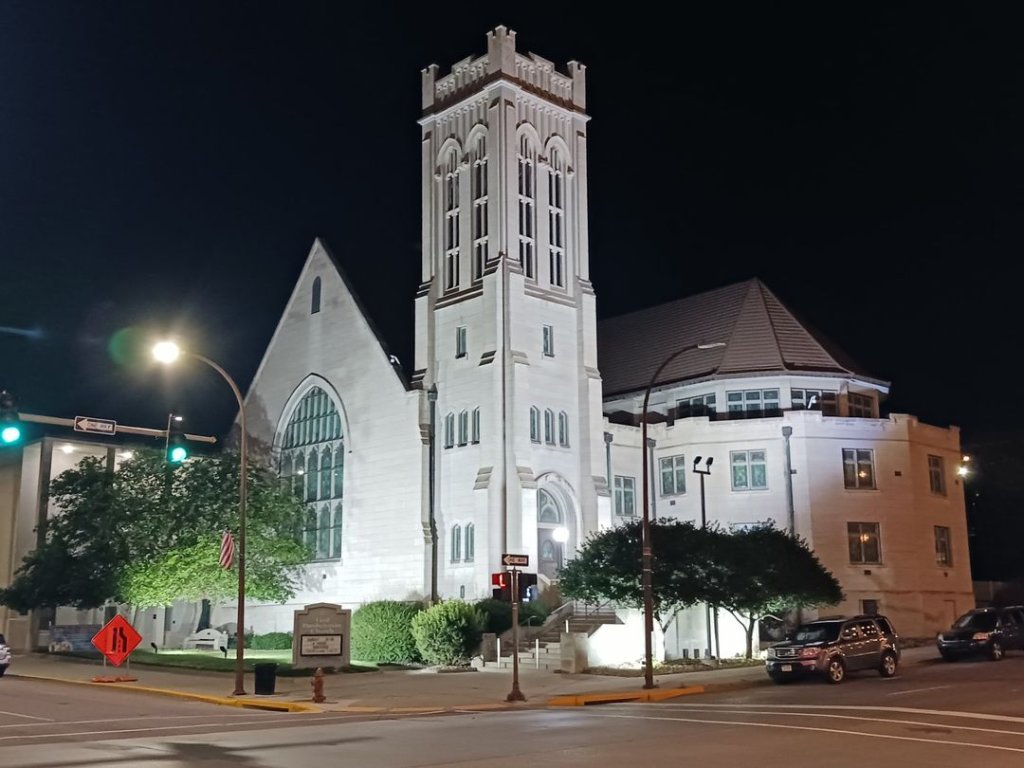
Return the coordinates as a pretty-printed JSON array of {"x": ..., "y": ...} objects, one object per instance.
[
  {"x": 657, "y": 694},
  {"x": 225, "y": 701}
]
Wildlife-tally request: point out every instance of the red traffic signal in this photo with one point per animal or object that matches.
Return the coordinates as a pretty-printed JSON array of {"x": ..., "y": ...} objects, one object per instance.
[
  {"x": 500, "y": 580},
  {"x": 502, "y": 586}
]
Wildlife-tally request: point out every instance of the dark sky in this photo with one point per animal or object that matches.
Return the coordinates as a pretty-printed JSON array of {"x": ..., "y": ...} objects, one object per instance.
[{"x": 168, "y": 164}]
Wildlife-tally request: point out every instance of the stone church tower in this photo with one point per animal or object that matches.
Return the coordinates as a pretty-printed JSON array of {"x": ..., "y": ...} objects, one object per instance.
[{"x": 505, "y": 315}]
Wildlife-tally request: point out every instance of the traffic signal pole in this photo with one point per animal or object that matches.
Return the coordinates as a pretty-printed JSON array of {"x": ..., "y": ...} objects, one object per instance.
[{"x": 36, "y": 418}]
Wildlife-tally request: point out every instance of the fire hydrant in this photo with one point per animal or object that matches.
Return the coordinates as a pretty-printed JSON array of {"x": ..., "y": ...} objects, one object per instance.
[{"x": 318, "y": 686}]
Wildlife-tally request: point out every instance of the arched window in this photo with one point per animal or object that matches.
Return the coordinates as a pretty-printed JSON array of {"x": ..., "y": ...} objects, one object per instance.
[
  {"x": 527, "y": 196},
  {"x": 463, "y": 427},
  {"x": 475, "y": 434},
  {"x": 479, "y": 190},
  {"x": 313, "y": 457},
  {"x": 556, "y": 220},
  {"x": 534, "y": 424},
  {"x": 548, "y": 510},
  {"x": 549, "y": 426},
  {"x": 470, "y": 542},
  {"x": 451, "y": 221},
  {"x": 449, "y": 430},
  {"x": 314, "y": 304},
  {"x": 456, "y": 544},
  {"x": 563, "y": 429}
]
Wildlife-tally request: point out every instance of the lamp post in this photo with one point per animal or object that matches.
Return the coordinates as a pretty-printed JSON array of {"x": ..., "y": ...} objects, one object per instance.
[
  {"x": 704, "y": 524},
  {"x": 646, "y": 529},
  {"x": 168, "y": 352}
]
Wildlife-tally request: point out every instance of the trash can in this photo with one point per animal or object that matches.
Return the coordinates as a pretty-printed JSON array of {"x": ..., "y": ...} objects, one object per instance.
[{"x": 266, "y": 677}]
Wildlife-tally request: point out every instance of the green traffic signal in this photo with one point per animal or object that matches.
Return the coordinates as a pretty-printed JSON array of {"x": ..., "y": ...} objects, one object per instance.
[
  {"x": 10, "y": 434},
  {"x": 177, "y": 454},
  {"x": 176, "y": 450}
]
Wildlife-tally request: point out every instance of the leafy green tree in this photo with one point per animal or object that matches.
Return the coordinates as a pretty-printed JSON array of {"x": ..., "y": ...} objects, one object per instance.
[
  {"x": 764, "y": 571},
  {"x": 608, "y": 567},
  {"x": 447, "y": 633},
  {"x": 149, "y": 534}
]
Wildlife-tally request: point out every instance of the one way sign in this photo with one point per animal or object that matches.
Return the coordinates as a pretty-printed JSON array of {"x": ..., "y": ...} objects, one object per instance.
[
  {"x": 513, "y": 560},
  {"x": 95, "y": 426}
]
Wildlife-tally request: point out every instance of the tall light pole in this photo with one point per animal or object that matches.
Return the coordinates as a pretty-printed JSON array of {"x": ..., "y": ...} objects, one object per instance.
[
  {"x": 704, "y": 524},
  {"x": 646, "y": 530},
  {"x": 168, "y": 352}
]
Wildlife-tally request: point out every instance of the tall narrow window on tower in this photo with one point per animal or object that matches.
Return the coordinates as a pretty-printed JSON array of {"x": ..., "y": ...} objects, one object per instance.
[
  {"x": 451, "y": 222},
  {"x": 556, "y": 219},
  {"x": 479, "y": 189},
  {"x": 527, "y": 193}
]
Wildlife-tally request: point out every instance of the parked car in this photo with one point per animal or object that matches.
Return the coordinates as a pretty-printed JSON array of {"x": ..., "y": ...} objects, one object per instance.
[
  {"x": 5, "y": 656},
  {"x": 833, "y": 647},
  {"x": 984, "y": 631}
]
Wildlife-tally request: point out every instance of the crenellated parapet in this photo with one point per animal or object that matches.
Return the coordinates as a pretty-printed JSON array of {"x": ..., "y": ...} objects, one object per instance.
[{"x": 533, "y": 73}]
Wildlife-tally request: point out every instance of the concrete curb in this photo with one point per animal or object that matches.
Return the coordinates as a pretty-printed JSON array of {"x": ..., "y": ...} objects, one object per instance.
[
  {"x": 224, "y": 701},
  {"x": 586, "y": 699}
]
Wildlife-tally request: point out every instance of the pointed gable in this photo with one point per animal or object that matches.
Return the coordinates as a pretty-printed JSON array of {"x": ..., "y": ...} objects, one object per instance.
[{"x": 761, "y": 335}]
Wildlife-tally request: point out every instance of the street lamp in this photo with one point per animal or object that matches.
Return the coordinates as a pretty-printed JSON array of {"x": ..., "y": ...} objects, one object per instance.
[
  {"x": 703, "y": 524},
  {"x": 168, "y": 352},
  {"x": 646, "y": 530}
]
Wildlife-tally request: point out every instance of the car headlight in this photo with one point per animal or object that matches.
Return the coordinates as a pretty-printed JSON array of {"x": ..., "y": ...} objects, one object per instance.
[{"x": 981, "y": 636}]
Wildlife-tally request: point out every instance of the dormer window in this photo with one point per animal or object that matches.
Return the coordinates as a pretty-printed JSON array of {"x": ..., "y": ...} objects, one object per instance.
[{"x": 861, "y": 406}]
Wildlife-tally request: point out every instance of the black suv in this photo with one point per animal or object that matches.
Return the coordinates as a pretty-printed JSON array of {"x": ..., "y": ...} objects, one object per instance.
[
  {"x": 984, "y": 631},
  {"x": 833, "y": 647}
]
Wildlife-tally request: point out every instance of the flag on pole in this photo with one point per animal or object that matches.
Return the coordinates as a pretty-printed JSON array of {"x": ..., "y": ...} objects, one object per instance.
[{"x": 227, "y": 550}]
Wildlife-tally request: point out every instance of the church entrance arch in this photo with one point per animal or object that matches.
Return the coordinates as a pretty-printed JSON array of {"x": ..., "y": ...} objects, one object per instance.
[{"x": 555, "y": 529}]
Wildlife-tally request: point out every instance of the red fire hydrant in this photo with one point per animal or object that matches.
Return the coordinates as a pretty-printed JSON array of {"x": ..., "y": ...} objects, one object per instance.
[{"x": 318, "y": 686}]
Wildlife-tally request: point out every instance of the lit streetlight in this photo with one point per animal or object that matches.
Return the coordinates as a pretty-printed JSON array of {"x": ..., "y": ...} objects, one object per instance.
[
  {"x": 646, "y": 530},
  {"x": 168, "y": 352}
]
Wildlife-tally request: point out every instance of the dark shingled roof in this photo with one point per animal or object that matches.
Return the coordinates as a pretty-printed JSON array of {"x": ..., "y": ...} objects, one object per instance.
[{"x": 760, "y": 333}]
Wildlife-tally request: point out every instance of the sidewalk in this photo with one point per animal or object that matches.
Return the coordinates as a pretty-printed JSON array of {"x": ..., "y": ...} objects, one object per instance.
[{"x": 396, "y": 691}]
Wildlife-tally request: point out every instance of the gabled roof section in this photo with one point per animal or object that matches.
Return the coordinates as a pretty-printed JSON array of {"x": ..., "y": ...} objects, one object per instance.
[{"x": 761, "y": 335}]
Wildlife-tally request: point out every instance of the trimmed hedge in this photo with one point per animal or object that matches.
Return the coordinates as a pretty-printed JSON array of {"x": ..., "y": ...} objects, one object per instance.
[
  {"x": 497, "y": 615},
  {"x": 532, "y": 610},
  {"x": 448, "y": 633},
  {"x": 272, "y": 641},
  {"x": 382, "y": 632}
]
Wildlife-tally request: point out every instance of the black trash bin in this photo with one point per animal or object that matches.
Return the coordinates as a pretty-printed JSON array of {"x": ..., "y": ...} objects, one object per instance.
[{"x": 266, "y": 678}]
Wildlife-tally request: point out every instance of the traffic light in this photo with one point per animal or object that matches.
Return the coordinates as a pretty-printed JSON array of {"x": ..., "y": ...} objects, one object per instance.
[
  {"x": 10, "y": 425},
  {"x": 526, "y": 581},
  {"x": 177, "y": 446},
  {"x": 502, "y": 586}
]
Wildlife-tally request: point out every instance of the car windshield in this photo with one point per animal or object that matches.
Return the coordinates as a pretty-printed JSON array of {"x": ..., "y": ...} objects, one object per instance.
[
  {"x": 982, "y": 621},
  {"x": 816, "y": 633}
]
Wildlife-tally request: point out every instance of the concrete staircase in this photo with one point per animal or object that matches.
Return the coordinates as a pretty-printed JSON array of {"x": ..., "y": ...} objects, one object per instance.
[{"x": 540, "y": 648}]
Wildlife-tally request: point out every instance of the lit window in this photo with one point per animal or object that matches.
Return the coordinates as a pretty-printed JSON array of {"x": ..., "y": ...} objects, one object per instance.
[
  {"x": 527, "y": 195},
  {"x": 449, "y": 430},
  {"x": 451, "y": 222},
  {"x": 861, "y": 406},
  {"x": 943, "y": 547},
  {"x": 535, "y": 424},
  {"x": 814, "y": 400},
  {"x": 475, "y": 435},
  {"x": 749, "y": 470},
  {"x": 556, "y": 220},
  {"x": 314, "y": 305},
  {"x": 673, "y": 475},
  {"x": 700, "y": 405},
  {"x": 625, "y": 496},
  {"x": 937, "y": 475},
  {"x": 549, "y": 426},
  {"x": 753, "y": 403},
  {"x": 858, "y": 468},
  {"x": 864, "y": 542},
  {"x": 563, "y": 429},
  {"x": 460, "y": 341},
  {"x": 549, "y": 341},
  {"x": 470, "y": 542},
  {"x": 456, "y": 543}
]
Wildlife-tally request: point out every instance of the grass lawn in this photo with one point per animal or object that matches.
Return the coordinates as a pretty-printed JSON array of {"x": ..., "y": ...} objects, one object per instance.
[{"x": 215, "y": 661}]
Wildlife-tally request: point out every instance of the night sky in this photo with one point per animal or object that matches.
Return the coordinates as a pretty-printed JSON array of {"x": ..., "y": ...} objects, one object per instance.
[{"x": 166, "y": 165}]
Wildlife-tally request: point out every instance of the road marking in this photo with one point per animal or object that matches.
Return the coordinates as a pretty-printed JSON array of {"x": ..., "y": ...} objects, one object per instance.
[
  {"x": 887, "y": 721},
  {"x": 905, "y": 710},
  {"x": 944, "y": 742},
  {"x": 918, "y": 690},
  {"x": 27, "y": 717}
]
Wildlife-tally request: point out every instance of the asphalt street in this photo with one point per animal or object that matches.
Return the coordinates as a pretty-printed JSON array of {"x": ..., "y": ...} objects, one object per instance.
[{"x": 968, "y": 713}]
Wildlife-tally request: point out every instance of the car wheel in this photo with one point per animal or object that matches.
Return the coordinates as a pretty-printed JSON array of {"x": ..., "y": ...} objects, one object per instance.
[
  {"x": 995, "y": 652},
  {"x": 888, "y": 666},
  {"x": 2, "y": 670},
  {"x": 836, "y": 671}
]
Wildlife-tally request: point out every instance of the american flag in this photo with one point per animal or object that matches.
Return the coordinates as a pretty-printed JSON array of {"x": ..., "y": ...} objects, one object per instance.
[{"x": 227, "y": 550}]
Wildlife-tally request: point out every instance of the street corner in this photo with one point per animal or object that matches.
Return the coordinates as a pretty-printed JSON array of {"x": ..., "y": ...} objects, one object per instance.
[{"x": 622, "y": 697}]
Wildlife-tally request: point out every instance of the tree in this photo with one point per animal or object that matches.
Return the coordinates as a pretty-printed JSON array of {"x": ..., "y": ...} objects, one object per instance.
[
  {"x": 608, "y": 567},
  {"x": 764, "y": 571},
  {"x": 149, "y": 534}
]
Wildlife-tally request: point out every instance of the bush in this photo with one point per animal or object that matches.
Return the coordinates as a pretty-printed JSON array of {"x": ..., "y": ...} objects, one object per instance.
[
  {"x": 532, "y": 614},
  {"x": 382, "y": 632},
  {"x": 497, "y": 615},
  {"x": 272, "y": 641},
  {"x": 448, "y": 633}
]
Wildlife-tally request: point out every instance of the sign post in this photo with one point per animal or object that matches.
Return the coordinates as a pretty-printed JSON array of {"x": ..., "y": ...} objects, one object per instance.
[{"x": 515, "y": 560}]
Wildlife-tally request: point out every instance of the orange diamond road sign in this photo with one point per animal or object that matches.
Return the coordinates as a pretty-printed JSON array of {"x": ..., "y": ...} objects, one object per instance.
[{"x": 116, "y": 640}]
